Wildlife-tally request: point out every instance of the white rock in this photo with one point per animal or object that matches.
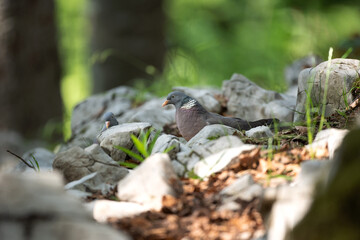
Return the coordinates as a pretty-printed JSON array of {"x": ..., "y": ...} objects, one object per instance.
[
  {"x": 50, "y": 213},
  {"x": 243, "y": 188},
  {"x": 120, "y": 135},
  {"x": 291, "y": 205},
  {"x": 44, "y": 157},
  {"x": 149, "y": 182},
  {"x": 259, "y": 132},
  {"x": 211, "y": 132},
  {"x": 77, "y": 163},
  {"x": 165, "y": 142},
  {"x": 216, "y": 162},
  {"x": 331, "y": 137},
  {"x": 104, "y": 209},
  {"x": 187, "y": 159},
  {"x": 343, "y": 74}
]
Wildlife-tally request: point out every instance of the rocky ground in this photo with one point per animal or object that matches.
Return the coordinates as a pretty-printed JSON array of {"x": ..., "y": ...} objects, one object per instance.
[{"x": 222, "y": 184}]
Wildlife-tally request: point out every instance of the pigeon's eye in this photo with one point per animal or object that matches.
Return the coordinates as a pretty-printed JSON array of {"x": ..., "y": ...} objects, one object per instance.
[{"x": 172, "y": 96}]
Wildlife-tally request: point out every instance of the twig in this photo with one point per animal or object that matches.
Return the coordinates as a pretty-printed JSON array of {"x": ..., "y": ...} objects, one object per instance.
[
  {"x": 354, "y": 104},
  {"x": 23, "y": 160}
]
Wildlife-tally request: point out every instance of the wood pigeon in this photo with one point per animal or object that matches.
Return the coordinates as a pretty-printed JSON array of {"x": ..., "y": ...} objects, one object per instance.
[
  {"x": 110, "y": 121},
  {"x": 191, "y": 117}
]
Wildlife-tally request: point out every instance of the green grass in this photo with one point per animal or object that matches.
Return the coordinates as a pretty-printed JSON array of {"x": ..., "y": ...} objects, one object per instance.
[{"x": 144, "y": 145}]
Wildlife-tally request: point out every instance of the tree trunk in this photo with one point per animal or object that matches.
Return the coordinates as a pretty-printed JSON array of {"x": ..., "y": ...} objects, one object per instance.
[
  {"x": 29, "y": 66},
  {"x": 127, "y": 37}
]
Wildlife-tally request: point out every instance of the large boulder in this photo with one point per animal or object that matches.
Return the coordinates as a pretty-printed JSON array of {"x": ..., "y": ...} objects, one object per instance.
[
  {"x": 249, "y": 101},
  {"x": 35, "y": 206},
  {"x": 77, "y": 163},
  {"x": 343, "y": 74},
  {"x": 334, "y": 213}
]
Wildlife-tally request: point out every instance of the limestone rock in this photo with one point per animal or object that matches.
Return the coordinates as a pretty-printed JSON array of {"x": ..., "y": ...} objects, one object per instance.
[
  {"x": 248, "y": 101},
  {"x": 35, "y": 206},
  {"x": 44, "y": 157},
  {"x": 165, "y": 142},
  {"x": 120, "y": 135},
  {"x": 186, "y": 160},
  {"x": 243, "y": 188},
  {"x": 104, "y": 209},
  {"x": 76, "y": 163},
  {"x": 212, "y": 132},
  {"x": 343, "y": 74},
  {"x": 337, "y": 199},
  {"x": 216, "y": 162},
  {"x": 332, "y": 138},
  {"x": 149, "y": 182},
  {"x": 259, "y": 132}
]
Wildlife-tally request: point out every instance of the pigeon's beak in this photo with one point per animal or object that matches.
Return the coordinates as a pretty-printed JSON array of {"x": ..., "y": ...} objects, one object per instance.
[
  {"x": 107, "y": 124},
  {"x": 165, "y": 103}
]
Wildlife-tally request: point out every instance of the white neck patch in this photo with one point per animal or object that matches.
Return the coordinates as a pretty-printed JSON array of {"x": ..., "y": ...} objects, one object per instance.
[{"x": 189, "y": 104}]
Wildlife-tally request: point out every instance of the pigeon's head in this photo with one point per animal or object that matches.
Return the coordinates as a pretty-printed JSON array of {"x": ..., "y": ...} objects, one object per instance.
[
  {"x": 109, "y": 119},
  {"x": 178, "y": 99}
]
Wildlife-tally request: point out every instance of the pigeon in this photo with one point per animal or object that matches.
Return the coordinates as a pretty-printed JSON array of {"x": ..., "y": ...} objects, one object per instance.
[
  {"x": 191, "y": 116},
  {"x": 110, "y": 121}
]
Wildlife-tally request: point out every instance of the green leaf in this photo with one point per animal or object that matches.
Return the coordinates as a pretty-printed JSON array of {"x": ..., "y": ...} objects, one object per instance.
[
  {"x": 153, "y": 141},
  {"x": 139, "y": 146},
  {"x": 169, "y": 149},
  {"x": 343, "y": 114},
  {"x": 130, "y": 153},
  {"x": 128, "y": 165},
  {"x": 37, "y": 164}
]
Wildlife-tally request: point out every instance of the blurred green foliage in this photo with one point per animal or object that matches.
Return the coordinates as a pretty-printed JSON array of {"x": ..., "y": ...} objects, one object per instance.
[
  {"x": 72, "y": 31},
  {"x": 209, "y": 40},
  {"x": 212, "y": 39}
]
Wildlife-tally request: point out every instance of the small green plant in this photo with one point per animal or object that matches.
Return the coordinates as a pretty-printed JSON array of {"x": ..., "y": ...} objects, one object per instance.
[
  {"x": 270, "y": 153},
  {"x": 34, "y": 163},
  {"x": 328, "y": 69},
  {"x": 144, "y": 146}
]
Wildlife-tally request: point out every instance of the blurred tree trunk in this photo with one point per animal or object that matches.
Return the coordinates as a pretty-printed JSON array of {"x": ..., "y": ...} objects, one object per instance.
[
  {"x": 29, "y": 66},
  {"x": 127, "y": 37}
]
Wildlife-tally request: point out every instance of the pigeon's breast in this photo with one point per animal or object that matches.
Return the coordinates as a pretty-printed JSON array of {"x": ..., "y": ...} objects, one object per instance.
[{"x": 189, "y": 122}]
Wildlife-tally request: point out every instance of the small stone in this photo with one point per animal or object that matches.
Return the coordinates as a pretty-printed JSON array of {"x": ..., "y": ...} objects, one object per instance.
[
  {"x": 104, "y": 209},
  {"x": 259, "y": 132},
  {"x": 216, "y": 162},
  {"x": 212, "y": 132},
  {"x": 150, "y": 181}
]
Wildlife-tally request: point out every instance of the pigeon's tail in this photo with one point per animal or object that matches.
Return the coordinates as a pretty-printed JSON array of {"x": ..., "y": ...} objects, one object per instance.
[{"x": 271, "y": 122}]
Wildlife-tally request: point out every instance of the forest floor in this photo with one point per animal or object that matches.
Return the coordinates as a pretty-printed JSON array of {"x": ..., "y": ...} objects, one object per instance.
[{"x": 195, "y": 214}]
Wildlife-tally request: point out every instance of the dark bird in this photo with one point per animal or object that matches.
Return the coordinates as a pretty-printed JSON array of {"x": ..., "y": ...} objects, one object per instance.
[
  {"x": 110, "y": 121},
  {"x": 191, "y": 117}
]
